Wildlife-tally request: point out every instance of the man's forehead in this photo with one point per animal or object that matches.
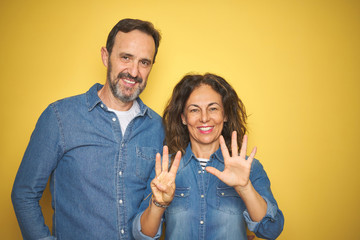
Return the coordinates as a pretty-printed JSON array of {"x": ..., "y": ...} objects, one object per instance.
[
  {"x": 135, "y": 42},
  {"x": 134, "y": 34}
]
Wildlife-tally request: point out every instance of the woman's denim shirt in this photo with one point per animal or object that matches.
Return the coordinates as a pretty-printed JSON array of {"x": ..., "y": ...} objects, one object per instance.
[{"x": 206, "y": 208}]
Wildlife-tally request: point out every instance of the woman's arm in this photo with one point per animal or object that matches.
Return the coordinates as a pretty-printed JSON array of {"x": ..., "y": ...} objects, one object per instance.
[
  {"x": 237, "y": 174},
  {"x": 263, "y": 216},
  {"x": 163, "y": 189},
  {"x": 255, "y": 204}
]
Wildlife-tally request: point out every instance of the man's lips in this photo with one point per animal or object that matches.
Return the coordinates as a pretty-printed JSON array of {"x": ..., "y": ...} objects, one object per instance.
[
  {"x": 129, "y": 81},
  {"x": 127, "y": 78}
]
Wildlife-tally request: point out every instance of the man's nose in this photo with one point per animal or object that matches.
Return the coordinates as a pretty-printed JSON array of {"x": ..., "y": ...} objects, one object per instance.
[{"x": 133, "y": 69}]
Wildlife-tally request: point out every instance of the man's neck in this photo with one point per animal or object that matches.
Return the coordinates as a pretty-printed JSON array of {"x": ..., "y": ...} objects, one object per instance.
[{"x": 111, "y": 101}]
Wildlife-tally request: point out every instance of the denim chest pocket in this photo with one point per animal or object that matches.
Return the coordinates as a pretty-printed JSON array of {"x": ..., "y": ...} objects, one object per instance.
[
  {"x": 145, "y": 161},
  {"x": 229, "y": 201},
  {"x": 180, "y": 202}
]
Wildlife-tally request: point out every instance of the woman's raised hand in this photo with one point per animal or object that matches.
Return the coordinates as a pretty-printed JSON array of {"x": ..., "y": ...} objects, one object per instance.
[
  {"x": 163, "y": 185},
  {"x": 237, "y": 168}
]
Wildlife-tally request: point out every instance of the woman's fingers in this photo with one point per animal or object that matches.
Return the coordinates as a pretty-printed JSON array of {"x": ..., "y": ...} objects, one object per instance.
[
  {"x": 175, "y": 164},
  {"x": 224, "y": 149},
  {"x": 160, "y": 187},
  {"x": 252, "y": 155},
  {"x": 158, "y": 164},
  {"x": 165, "y": 161},
  {"x": 163, "y": 185},
  {"x": 234, "y": 144},
  {"x": 213, "y": 171},
  {"x": 165, "y": 179},
  {"x": 243, "y": 147}
]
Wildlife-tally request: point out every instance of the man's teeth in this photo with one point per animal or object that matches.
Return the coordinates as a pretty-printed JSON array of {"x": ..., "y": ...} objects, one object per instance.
[
  {"x": 205, "y": 128},
  {"x": 129, "y": 81}
]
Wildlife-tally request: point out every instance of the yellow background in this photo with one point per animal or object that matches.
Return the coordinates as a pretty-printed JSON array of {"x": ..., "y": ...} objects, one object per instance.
[{"x": 295, "y": 64}]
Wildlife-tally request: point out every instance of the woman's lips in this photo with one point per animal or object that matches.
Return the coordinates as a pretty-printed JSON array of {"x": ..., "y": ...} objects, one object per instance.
[{"x": 206, "y": 129}]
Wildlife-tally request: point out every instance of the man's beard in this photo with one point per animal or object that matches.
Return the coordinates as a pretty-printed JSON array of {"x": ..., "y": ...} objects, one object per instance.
[{"x": 119, "y": 90}]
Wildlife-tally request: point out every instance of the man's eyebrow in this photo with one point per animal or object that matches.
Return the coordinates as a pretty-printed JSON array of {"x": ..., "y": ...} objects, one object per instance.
[
  {"x": 126, "y": 54},
  {"x": 146, "y": 59},
  {"x": 122, "y": 54}
]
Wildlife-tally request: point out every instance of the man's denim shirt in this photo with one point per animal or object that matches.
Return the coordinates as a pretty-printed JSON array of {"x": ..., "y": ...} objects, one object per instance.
[
  {"x": 206, "y": 208},
  {"x": 98, "y": 177}
]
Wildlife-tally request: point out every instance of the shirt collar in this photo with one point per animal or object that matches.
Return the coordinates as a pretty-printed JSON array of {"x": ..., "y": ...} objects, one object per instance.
[
  {"x": 93, "y": 100},
  {"x": 189, "y": 155}
]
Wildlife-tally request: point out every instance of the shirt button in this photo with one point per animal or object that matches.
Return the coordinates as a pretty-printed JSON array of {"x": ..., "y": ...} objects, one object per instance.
[
  {"x": 121, "y": 201},
  {"x": 199, "y": 171},
  {"x": 201, "y": 222},
  {"x": 122, "y": 231},
  {"x": 114, "y": 119},
  {"x": 222, "y": 194},
  {"x": 120, "y": 173},
  {"x": 182, "y": 194},
  {"x": 202, "y": 196},
  {"x": 102, "y": 105}
]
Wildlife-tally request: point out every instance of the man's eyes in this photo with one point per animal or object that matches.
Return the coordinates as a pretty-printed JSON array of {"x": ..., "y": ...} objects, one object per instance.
[
  {"x": 126, "y": 58},
  {"x": 145, "y": 63}
]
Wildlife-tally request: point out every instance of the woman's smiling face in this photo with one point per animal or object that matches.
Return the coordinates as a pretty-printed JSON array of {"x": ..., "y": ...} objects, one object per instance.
[{"x": 204, "y": 116}]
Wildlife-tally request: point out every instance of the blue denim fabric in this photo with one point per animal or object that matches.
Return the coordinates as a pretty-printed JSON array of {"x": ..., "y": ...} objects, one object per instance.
[
  {"x": 206, "y": 208},
  {"x": 97, "y": 176}
]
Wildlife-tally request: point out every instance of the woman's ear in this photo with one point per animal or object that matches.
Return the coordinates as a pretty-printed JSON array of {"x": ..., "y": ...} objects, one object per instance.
[{"x": 183, "y": 119}]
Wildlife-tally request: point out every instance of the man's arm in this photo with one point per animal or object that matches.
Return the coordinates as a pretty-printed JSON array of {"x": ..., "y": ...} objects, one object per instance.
[{"x": 39, "y": 161}]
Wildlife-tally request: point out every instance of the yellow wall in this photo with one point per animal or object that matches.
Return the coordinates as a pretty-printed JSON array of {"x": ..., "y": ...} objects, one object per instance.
[{"x": 295, "y": 64}]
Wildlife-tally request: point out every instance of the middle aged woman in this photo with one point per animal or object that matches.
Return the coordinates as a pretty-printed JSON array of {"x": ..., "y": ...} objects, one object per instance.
[{"x": 205, "y": 122}]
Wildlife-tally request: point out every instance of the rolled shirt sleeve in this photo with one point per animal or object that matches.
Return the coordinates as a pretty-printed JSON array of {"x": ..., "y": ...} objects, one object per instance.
[{"x": 272, "y": 224}]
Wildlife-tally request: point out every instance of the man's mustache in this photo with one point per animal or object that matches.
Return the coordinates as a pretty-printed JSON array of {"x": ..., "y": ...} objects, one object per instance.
[{"x": 127, "y": 75}]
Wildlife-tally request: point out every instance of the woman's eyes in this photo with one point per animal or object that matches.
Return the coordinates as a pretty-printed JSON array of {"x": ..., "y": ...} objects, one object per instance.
[{"x": 194, "y": 110}]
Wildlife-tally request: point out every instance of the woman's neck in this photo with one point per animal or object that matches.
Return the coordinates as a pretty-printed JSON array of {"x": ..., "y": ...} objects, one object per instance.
[{"x": 204, "y": 150}]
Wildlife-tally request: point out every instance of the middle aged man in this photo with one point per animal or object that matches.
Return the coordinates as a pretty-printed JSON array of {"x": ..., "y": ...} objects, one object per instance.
[{"x": 98, "y": 148}]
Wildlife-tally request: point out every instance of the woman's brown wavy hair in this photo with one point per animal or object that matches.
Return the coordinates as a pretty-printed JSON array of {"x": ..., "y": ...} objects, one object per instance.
[{"x": 177, "y": 134}]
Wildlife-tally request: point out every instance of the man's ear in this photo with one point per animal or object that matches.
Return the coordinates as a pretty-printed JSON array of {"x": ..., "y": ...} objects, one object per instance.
[{"x": 105, "y": 56}]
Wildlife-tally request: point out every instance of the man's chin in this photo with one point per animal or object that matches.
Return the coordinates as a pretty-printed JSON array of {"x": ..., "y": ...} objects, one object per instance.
[{"x": 127, "y": 97}]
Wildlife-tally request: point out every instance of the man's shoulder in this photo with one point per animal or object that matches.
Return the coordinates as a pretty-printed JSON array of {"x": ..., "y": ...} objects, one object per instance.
[
  {"x": 154, "y": 114},
  {"x": 76, "y": 102},
  {"x": 148, "y": 111},
  {"x": 70, "y": 102}
]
